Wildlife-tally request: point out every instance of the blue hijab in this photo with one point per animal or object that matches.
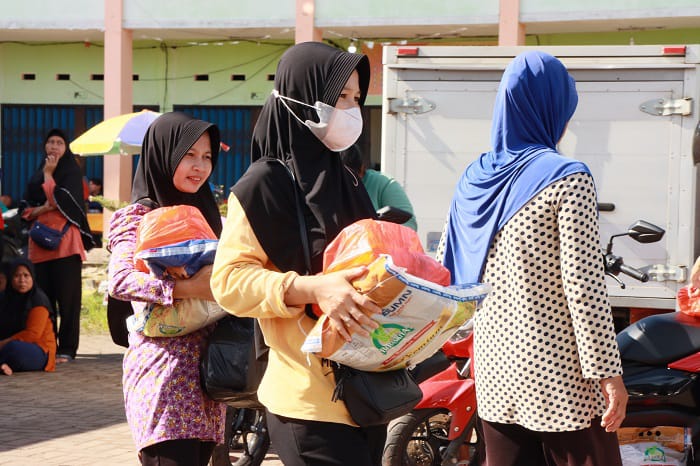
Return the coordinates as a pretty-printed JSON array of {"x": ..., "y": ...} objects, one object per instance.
[{"x": 535, "y": 101}]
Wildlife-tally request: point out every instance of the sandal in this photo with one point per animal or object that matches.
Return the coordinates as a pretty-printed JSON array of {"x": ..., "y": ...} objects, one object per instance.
[{"x": 63, "y": 358}]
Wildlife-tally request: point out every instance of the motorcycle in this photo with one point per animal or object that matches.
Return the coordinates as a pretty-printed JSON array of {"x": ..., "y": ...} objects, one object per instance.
[
  {"x": 442, "y": 430},
  {"x": 14, "y": 238},
  {"x": 246, "y": 438},
  {"x": 442, "y": 427}
]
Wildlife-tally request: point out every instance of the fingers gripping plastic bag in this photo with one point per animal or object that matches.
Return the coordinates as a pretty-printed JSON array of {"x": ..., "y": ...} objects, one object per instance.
[{"x": 418, "y": 316}]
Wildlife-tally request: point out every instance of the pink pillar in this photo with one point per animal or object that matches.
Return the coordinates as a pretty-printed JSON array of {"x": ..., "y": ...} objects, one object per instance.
[
  {"x": 118, "y": 92},
  {"x": 510, "y": 30},
  {"x": 306, "y": 30}
]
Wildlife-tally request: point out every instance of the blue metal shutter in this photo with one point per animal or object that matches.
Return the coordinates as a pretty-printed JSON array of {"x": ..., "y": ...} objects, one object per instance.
[
  {"x": 236, "y": 126},
  {"x": 24, "y": 128}
]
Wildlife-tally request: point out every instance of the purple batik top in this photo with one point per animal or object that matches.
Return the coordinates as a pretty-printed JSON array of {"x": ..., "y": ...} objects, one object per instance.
[{"x": 162, "y": 393}]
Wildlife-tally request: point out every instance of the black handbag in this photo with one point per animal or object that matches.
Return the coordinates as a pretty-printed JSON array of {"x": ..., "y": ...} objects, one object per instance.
[
  {"x": 375, "y": 398},
  {"x": 232, "y": 365},
  {"x": 117, "y": 313},
  {"x": 47, "y": 237}
]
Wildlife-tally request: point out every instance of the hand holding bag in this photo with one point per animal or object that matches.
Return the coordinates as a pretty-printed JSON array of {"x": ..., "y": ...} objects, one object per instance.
[{"x": 371, "y": 398}]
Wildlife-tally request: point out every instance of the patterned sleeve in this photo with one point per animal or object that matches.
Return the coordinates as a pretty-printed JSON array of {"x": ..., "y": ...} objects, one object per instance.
[
  {"x": 125, "y": 282},
  {"x": 584, "y": 278}
]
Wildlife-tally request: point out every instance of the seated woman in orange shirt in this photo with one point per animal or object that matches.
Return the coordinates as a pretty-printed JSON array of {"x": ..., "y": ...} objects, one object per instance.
[{"x": 27, "y": 337}]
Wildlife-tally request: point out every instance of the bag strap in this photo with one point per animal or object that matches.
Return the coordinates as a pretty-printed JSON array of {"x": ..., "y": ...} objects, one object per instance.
[
  {"x": 303, "y": 233},
  {"x": 66, "y": 227},
  {"x": 261, "y": 349}
]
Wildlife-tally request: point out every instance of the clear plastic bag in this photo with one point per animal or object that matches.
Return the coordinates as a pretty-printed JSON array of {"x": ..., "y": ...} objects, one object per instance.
[{"x": 689, "y": 301}]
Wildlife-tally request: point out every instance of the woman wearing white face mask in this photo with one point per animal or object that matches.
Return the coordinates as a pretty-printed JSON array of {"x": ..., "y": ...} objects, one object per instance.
[{"x": 260, "y": 270}]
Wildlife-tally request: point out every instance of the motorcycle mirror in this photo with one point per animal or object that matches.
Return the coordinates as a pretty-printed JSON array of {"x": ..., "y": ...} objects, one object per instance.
[
  {"x": 645, "y": 232},
  {"x": 696, "y": 144},
  {"x": 393, "y": 214}
]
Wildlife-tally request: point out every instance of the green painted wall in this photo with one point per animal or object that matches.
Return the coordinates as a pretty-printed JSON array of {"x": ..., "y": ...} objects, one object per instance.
[{"x": 166, "y": 74}]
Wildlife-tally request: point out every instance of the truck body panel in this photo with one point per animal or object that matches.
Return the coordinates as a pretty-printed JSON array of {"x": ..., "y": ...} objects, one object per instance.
[{"x": 633, "y": 127}]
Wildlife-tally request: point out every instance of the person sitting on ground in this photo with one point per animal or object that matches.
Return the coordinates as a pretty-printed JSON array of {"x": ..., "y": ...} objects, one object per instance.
[
  {"x": 27, "y": 338},
  {"x": 383, "y": 190}
]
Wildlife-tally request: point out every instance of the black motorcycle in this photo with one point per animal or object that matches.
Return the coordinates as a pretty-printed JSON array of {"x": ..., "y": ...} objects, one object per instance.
[{"x": 661, "y": 368}]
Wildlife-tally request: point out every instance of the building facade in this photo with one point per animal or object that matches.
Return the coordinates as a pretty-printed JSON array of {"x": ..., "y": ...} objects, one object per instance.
[{"x": 71, "y": 63}]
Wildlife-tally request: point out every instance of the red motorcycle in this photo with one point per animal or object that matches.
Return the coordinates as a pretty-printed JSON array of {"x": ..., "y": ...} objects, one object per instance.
[{"x": 442, "y": 429}]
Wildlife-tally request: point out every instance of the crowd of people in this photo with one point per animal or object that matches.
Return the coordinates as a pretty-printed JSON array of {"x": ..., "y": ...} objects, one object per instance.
[{"x": 523, "y": 218}]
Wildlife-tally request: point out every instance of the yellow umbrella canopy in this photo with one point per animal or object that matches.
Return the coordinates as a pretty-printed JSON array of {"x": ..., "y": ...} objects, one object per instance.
[{"x": 122, "y": 134}]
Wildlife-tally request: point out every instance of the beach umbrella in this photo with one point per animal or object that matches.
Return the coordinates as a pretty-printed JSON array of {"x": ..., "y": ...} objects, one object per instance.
[{"x": 122, "y": 134}]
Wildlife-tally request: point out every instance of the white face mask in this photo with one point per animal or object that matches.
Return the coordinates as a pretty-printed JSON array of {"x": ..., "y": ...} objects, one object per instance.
[{"x": 336, "y": 129}]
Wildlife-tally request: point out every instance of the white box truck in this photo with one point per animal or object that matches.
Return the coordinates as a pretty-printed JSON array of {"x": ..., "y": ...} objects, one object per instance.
[{"x": 634, "y": 127}]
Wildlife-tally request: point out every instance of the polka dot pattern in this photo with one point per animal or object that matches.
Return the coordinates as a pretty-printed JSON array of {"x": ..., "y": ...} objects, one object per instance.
[{"x": 544, "y": 337}]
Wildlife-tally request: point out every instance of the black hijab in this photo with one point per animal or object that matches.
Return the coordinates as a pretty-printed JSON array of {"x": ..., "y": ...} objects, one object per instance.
[
  {"x": 333, "y": 197},
  {"x": 15, "y": 306},
  {"x": 166, "y": 142},
  {"x": 68, "y": 193}
]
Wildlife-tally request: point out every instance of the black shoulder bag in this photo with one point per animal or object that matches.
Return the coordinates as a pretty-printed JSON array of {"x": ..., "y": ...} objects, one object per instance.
[{"x": 372, "y": 398}]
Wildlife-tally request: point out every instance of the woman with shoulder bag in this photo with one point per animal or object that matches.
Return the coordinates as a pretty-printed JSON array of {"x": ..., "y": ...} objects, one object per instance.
[
  {"x": 173, "y": 423},
  {"x": 259, "y": 270},
  {"x": 54, "y": 195}
]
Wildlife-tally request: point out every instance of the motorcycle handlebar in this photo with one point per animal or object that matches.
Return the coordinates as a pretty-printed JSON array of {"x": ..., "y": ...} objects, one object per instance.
[{"x": 634, "y": 273}]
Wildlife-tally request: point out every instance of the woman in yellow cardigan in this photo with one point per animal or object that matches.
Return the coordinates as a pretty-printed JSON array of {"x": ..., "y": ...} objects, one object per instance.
[
  {"x": 27, "y": 338},
  {"x": 259, "y": 268}
]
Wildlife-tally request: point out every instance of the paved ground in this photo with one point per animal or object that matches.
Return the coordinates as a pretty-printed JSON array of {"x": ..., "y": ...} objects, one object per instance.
[{"x": 72, "y": 417}]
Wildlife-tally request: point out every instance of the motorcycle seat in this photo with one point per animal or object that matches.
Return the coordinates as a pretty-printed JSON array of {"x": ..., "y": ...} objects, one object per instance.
[{"x": 660, "y": 339}]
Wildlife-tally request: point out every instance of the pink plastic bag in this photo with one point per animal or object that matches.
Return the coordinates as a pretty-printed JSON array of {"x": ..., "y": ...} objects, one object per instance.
[
  {"x": 169, "y": 225},
  {"x": 365, "y": 240}
]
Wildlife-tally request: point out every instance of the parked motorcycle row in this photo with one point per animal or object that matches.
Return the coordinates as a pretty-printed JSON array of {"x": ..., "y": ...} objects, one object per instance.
[{"x": 661, "y": 365}]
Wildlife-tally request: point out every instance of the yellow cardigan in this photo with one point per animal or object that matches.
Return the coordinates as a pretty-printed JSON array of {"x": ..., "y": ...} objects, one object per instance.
[{"x": 247, "y": 284}]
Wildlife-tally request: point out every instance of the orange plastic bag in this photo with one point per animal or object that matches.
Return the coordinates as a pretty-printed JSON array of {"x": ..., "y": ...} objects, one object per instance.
[
  {"x": 365, "y": 240},
  {"x": 689, "y": 301},
  {"x": 169, "y": 225}
]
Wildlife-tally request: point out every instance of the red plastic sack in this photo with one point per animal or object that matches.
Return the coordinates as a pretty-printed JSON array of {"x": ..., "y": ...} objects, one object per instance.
[
  {"x": 689, "y": 301},
  {"x": 169, "y": 225},
  {"x": 365, "y": 240}
]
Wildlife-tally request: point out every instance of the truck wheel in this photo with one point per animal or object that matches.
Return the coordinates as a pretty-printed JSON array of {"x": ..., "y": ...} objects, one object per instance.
[
  {"x": 420, "y": 439},
  {"x": 246, "y": 439}
]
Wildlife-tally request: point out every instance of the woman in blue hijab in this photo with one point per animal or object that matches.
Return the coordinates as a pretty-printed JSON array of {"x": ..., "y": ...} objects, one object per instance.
[{"x": 524, "y": 219}]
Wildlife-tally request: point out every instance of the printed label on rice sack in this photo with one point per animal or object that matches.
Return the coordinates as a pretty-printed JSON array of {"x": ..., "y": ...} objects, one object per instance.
[{"x": 413, "y": 325}]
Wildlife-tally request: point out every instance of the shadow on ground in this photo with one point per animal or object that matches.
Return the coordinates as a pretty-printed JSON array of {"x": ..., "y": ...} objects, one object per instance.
[{"x": 80, "y": 396}]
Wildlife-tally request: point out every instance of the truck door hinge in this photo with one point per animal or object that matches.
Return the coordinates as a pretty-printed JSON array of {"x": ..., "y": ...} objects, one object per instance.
[
  {"x": 414, "y": 105},
  {"x": 664, "y": 107},
  {"x": 665, "y": 272}
]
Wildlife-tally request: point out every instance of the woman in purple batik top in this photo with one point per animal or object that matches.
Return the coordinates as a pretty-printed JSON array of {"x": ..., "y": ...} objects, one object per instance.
[{"x": 173, "y": 423}]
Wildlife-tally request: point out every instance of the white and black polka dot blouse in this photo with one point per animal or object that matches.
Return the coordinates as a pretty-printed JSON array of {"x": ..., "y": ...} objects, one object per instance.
[{"x": 544, "y": 337}]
